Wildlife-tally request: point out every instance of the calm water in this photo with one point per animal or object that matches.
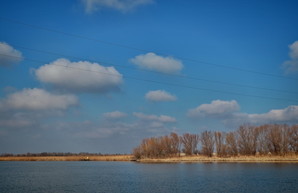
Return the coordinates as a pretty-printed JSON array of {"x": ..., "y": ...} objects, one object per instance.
[{"x": 129, "y": 177}]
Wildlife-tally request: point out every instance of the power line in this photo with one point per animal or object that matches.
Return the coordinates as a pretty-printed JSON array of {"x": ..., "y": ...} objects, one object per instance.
[
  {"x": 157, "y": 82},
  {"x": 139, "y": 49},
  {"x": 146, "y": 70}
]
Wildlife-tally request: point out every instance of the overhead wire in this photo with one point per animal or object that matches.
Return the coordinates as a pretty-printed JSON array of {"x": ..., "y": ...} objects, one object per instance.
[
  {"x": 148, "y": 70},
  {"x": 141, "y": 50}
]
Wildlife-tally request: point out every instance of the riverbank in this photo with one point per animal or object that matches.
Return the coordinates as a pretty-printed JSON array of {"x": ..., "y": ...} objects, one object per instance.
[
  {"x": 182, "y": 159},
  {"x": 69, "y": 158},
  {"x": 240, "y": 159}
]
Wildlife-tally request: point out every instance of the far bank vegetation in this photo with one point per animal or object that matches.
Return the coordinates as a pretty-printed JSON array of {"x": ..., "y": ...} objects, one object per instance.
[{"x": 247, "y": 140}]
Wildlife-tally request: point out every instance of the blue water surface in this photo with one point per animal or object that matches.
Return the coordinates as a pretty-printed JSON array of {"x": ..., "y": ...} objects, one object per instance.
[{"x": 130, "y": 177}]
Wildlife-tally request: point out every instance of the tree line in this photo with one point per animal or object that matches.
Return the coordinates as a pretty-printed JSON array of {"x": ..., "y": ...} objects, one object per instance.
[{"x": 246, "y": 140}]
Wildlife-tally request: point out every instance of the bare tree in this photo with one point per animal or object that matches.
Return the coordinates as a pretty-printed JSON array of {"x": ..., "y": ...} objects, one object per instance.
[
  {"x": 190, "y": 142},
  {"x": 286, "y": 135},
  {"x": 176, "y": 143},
  {"x": 220, "y": 145},
  {"x": 262, "y": 142},
  {"x": 274, "y": 138},
  {"x": 231, "y": 144},
  {"x": 293, "y": 139},
  {"x": 137, "y": 152},
  {"x": 247, "y": 140},
  {"x": 207, "y": 143},
  {"x": 279, "y": 139},
  {"x": 157, "y": 147},
  {"x": 166, "y": 146}
]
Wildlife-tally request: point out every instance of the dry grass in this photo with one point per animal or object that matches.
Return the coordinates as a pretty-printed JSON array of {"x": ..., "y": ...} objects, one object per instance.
[
  {"x": 247, "y": 159},
  {"x": 70, "y": 158}
]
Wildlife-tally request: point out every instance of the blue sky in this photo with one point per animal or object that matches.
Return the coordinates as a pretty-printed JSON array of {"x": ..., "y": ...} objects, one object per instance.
[{"x": 100, "y": 75}]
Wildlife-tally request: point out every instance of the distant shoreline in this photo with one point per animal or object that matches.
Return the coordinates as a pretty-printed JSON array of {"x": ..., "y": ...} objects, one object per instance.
[
  {"x": 182, "y": 159},
  {"x": 69, "y": 158}
]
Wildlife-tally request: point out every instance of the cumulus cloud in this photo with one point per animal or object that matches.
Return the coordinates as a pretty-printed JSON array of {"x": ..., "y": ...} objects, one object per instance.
[
  {"x": 161, "y": 118},
  {"x": 26, "y": 109},
  {"x": 79, "y": 76},
  {"x": 114, "y": 115},
  {"x": 154, "y": 62},
  {"x": 228, "y": 113},
  {"x": 216, "y": 108},
  {"x": 291, "y": 66},
  {"x": 288, "y": 114},
  {"x": 159, "y": 96},
  {"x": 37, "y": 99},
  {"x": 120, "y": 5},
  {"x": 9, "y": 55}
]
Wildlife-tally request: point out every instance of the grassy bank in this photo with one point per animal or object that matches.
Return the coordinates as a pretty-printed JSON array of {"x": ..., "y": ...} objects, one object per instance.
[
  {"x": 68, "y": 158},
  {"x": 248, "y": 159}
]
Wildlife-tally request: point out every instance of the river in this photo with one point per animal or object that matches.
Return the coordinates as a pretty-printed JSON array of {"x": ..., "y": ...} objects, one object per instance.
[{"x": 130, "y": 177}]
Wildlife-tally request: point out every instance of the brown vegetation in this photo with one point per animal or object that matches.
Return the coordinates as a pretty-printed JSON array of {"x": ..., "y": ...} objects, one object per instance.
[
  {"x": 190, "y": 143},
  {"x": 69, "y": 158},
  {"x": 247, "y": 140},
  {"x": 158, "y": 147},
  {"x": 265, "y": 143},
  {"x": 207, "y": 141},
  {"x": 174, "y": 159},
  {"x": 234, "y": 159}
]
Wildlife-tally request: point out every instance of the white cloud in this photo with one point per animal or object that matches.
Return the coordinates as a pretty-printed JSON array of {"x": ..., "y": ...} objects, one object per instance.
[
  {"x": 216, "y": 108},
  {"x": 120, "y": 5},
  {"x": 227, "y": 112},
  {"x": 79, "y": 76},
  {"x": 294, "y": 50},
  {"x": 289, "y": 113},
  {"x": 114, "y": 115},
  {"x": 291, "y": 66},
  {"x": 9, "y": 55},
  {"x": 37, "y": 99},
  {"x": 160, "y": 95},
  {"x": 154, "y": 62},
  {"x": 161, "y": 118}
]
